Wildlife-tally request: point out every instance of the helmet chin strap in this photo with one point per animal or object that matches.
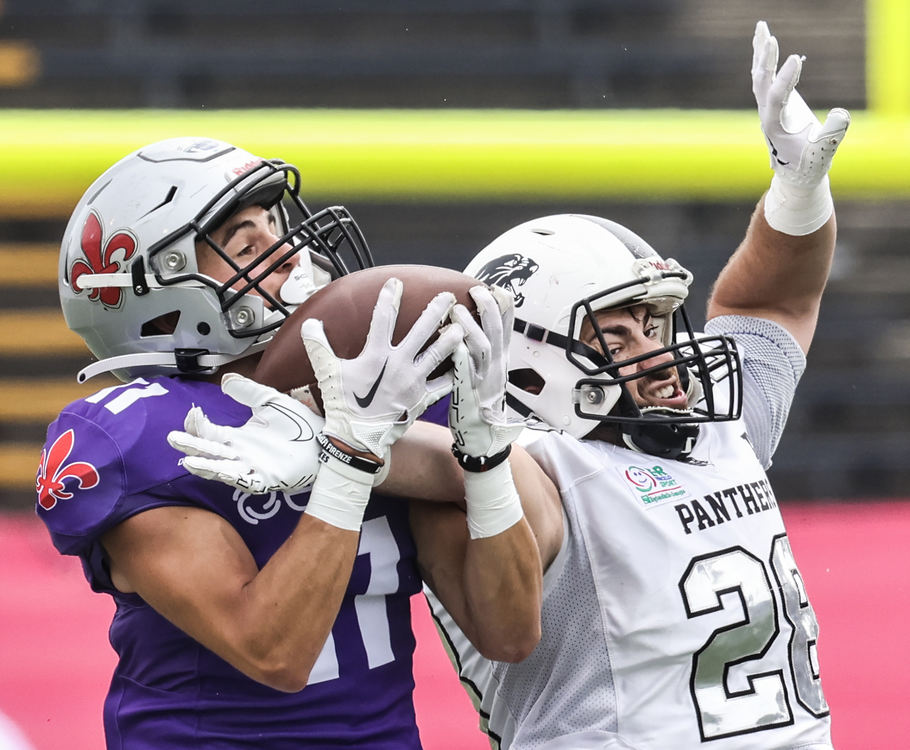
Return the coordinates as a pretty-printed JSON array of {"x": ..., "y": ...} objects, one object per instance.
[
  {"x": 672, "y": 441},
  {"x": 303, "y": 281},
  {"x": 669, "y": 440},
  {"x": 203, "y": 361}
]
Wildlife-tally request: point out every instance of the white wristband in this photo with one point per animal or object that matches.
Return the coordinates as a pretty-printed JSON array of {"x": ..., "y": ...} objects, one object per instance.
[
  {"x": 340, "y": 495},
  {"x": 492, "y": 501},
  {"x": 798, "y": 210}
]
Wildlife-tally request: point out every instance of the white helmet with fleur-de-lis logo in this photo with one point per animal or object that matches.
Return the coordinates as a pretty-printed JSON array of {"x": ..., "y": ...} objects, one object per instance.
[{"x": 128, "y": 258}]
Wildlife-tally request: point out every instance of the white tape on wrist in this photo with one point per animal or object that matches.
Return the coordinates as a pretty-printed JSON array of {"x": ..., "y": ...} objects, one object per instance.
[
  {"x": 340, "y": 495},
  {"x": 797, "y": 210},
  {"x": 492, "y": 501}
]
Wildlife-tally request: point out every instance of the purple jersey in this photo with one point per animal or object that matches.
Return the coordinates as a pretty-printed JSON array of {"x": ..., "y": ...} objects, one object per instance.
[{"x": 106, "y": 459}]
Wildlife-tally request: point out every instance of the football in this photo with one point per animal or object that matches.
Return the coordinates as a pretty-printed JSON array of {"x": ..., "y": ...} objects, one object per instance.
[{"x": 345, "y": 307}]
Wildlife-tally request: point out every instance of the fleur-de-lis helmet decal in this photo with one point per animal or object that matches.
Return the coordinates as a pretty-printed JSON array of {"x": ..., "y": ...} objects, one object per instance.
[{"x": 102, "y": 257}]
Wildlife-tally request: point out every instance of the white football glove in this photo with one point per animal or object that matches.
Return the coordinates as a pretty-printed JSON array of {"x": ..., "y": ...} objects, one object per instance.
[
  {"x": 275, "y": 450},
  {"x": 801, "y": 148},
  {"x": 481, "y": 432},
  {"x": 370, "y": 401},
  {"x": 477, "y": 416}
]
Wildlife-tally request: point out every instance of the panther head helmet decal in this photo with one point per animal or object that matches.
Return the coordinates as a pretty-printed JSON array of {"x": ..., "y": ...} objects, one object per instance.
[{"x": 509, "y": 272}]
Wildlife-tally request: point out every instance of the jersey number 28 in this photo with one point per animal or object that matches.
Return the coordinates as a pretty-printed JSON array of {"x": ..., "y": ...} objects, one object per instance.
[{"x": 738, "y": 582}]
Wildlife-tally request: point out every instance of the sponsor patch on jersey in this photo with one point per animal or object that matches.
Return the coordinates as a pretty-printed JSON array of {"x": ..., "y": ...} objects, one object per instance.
[{"x": 652, "y": 485}]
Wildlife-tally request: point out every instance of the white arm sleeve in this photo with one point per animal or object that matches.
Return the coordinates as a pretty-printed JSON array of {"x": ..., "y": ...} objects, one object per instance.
[{"x": 772, "y": 365}]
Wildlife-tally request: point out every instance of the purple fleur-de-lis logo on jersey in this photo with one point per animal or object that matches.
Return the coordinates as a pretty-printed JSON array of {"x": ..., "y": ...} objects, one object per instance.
[
  {"x": 102, "y": 257},
  {"x": 54, "y": 471}
]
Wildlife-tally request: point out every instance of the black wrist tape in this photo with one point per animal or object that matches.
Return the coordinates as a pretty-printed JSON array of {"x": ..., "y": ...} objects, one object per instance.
[
  {"x": 480, "y": 463},
  {"x": 355, "y": 462}
]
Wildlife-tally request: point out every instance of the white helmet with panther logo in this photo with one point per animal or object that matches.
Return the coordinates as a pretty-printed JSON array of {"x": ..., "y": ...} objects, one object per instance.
[
  {"x": 561, "y": 270},
  {"x": 128, "y": 258}
]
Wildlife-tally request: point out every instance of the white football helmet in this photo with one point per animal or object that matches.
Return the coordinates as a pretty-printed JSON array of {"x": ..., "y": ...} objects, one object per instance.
[
  {"x": 563, "y": 269},
  {"x": 128, "y": 258}
]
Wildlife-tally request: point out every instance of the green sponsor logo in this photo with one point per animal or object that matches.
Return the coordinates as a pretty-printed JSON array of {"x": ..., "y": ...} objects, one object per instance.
[{"x": 653, "y": 484}]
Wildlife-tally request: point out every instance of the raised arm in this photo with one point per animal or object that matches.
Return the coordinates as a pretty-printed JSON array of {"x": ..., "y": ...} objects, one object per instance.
[{"x": 781, "y": 268}]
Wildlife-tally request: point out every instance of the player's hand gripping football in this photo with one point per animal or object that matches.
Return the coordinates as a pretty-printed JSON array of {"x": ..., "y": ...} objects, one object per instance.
[
  {"x": 370, "y": 400},
  {"x": 477, "y": 416},
  {"x": 275, "y": 450},
  {"x": 800, "y": 146},
  {"x": 481, "y": 432}
]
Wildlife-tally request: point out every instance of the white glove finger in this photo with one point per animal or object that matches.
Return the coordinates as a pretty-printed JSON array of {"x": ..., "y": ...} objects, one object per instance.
[
  {"x": 192, "y": 419},
  {"x": 759, "y": 41},
  {"x": 191, "y": 445},
  {"x": 471, "y": 435},
  {"x": 497, "y": 316},
  {"x": 834, "y": 127},
  {"x": 246, "y": 391},
  {"x": 385, "y": 315},
  {"x": 312, "y": 330},
  {"x": 784, "y": 100},
  {"x": 317, "y": 346},
  {"x": 506, "y": 302},
  {"x": 429, "y": 322},
  {"x": 461, "y": 373},
  {"x": 764, "y": 60},
  {"x": 222, "y": 470},
  {"x": 439, "y": 387},
  {"x": 491, "y": 316},
  {"x": 478, "y": 344},
  {"x": 461, "y": 315},
  {"x": 461, "y": 361},
  {"x": 196, "y": 423},
  {"x": 201, "y": 467},
  {"x": 233, "y": 474},
  {"x": 487, "y": 306},
  {"x": 429, "y": 359}
]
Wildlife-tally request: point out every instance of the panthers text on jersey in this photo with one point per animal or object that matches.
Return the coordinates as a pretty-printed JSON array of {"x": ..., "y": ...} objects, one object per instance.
[{"x": 106, "y": 459}]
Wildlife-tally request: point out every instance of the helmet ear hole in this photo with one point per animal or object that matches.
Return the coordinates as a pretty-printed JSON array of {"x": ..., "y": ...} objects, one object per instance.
[
  {"x": 527, "y": 380},
  {"x": 163, "y": 325}
]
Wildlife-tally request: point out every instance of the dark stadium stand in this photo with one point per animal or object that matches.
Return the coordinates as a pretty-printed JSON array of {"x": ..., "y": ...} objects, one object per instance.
[{"x": 405, "y": 53}]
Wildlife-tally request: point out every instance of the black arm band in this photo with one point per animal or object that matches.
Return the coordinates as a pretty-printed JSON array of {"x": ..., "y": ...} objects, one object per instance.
[
  {"x": 480, "y": 463},
  {"x": 355, "y": 462}
]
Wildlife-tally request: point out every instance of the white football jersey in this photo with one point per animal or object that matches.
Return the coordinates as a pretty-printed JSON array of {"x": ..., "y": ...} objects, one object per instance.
[{"x": 674, "y": 616}]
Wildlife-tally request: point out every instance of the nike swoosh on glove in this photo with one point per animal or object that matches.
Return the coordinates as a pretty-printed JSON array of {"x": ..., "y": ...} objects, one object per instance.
[
  {"x": 274, "y": 451},
  {"x": 370, "y": 400}
]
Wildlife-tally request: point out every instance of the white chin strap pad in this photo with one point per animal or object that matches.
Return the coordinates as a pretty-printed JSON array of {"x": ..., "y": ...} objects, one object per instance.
[{"x": 300, "y": 285}]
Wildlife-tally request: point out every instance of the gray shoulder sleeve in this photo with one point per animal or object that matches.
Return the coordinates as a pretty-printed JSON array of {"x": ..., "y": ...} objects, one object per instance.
[{"x": 772, "y": 365}]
